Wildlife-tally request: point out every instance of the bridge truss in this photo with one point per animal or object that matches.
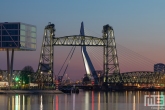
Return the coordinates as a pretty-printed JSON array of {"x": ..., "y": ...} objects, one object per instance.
[
  {"x": 110, "y": 59},
  {"x": 143, "y": 77}
]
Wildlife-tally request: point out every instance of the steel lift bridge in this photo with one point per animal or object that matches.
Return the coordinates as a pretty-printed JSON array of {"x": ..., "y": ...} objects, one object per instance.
[{"x": 110, "y": 59}]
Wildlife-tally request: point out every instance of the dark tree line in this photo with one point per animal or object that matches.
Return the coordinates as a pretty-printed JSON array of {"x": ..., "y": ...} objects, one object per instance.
[
  {"x": 1, "y": 75},
  {"x": 26, "y": 74}
]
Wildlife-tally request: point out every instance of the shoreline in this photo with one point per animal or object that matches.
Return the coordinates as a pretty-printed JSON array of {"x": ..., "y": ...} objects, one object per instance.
[{"x": 31, "y": 92}]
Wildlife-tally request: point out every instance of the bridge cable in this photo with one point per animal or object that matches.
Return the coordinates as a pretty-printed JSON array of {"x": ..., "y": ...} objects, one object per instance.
[
  {"x": 137, "y": 58},
  {"x": 91, "y": 32},
  {"x": 127, "y": 55},
  {"x": 65, "y": 60},
  {"x": 68, "y": 62},
  {"x": 125, "y": 59},
  {"x": 129, "y": 59},
  {"x": 92, "y": 52},
  {"x": 142, "y": 57},
  {"x": 149, "y": 60}
]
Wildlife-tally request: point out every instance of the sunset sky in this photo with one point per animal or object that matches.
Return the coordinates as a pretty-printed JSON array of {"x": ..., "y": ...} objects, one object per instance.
[{"x": 139, "y": 26}]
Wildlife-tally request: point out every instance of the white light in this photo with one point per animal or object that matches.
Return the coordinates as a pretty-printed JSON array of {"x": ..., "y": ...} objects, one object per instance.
[
  {"x": 86, "y": 63},
  {"x": 41, "y": 105}
]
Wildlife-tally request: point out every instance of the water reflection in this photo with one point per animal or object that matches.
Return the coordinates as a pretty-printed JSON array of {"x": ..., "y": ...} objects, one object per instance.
[
  {"x": 99, "y": 101},
  {"x": 93, "y": 100},
  {"x": 41, "y": 106},
  {"x": 66, "y": 100},
  {"x": 85, "y": 100},
  {"x": 73, "y": 101},
  {"x": 56, "y": 102}
]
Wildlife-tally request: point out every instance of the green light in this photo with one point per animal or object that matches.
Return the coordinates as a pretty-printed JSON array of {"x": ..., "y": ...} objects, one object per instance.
[{"x": 16, "y": 79}]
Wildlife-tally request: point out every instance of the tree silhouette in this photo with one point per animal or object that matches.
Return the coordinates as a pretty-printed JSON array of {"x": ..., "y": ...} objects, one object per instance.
[
  {"x": 1, "y": 75},
  {"x": 26, "y": 74}
]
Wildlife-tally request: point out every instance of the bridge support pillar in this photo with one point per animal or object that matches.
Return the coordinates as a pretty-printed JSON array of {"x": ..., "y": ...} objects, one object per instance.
[
  {"x": 10, "y": 66},
  {"x": 45, "y": 67},
  {"x": 110, "y": 59}
]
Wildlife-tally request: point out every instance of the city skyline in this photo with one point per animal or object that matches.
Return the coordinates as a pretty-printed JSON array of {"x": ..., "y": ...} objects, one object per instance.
[{"x": 138, "y": 25}]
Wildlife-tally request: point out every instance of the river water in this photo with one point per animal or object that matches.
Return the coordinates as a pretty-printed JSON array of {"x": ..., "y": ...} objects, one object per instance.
[{"x": 85, "y": 100}]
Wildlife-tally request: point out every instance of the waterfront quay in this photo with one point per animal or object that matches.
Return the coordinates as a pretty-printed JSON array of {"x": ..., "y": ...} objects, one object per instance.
[
  {"x": 84, "y": 88},
  {"x": 31, "y": 92},
  {"x": 118, "y": 87}
]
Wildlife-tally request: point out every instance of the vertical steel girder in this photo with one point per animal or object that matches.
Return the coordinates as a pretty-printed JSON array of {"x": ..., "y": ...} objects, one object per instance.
[
  {"x": 45, "y": 67},
  {"x": 110, "y": 63}
]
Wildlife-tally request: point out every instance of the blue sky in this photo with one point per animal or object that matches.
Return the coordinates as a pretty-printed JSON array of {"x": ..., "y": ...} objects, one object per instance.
[{"x": 139, "y": 25}]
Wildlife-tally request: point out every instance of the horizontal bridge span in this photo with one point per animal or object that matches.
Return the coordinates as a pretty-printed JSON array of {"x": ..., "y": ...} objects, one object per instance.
[
  {"x": 138, "y": 72},
  {"x": 147, "y": 77},
  {"x": 77, "y": 40}
]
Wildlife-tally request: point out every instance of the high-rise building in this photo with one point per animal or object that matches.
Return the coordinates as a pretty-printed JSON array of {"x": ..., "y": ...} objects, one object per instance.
[
  {"x": 159, "y": 67},
  {"x": 17, "y": 36}
]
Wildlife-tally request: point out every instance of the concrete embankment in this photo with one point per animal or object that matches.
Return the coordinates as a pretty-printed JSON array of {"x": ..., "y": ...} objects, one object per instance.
[{"x": 30, "y": 92}]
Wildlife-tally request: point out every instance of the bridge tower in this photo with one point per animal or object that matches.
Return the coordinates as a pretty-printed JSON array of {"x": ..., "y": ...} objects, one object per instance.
[
  {"x": 90, "y": 70},
  {"x": 45, "y": 67},
  {"x": 110, "y": 63}
]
